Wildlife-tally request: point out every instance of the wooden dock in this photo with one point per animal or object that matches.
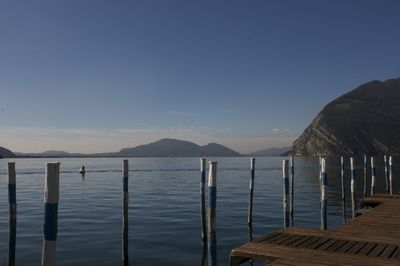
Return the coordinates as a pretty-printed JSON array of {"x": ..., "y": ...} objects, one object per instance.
[{"x": 372, "y": 238}]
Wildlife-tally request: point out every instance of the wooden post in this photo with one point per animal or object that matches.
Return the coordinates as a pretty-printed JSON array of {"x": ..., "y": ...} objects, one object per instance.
[
  {"x": 342, "y": 179},
  {"x": 212, "y": 205},
  {"x": 250, "y": 210},
  {"x": 391, "y": 175},
  {"x": 365, "y": 175},
  {"x": 285, "y": 172},
  {"x": 203, "y": 200},
  {"x": 324, "y": 195},
  {"x": 12, "y": 200},
  {"x": 343, "y": 189},
  {"x": 386, "y": 174},
  {"x": 125, "y": 204},
  {"x": 373, "y": 176},
  {"x": 51, "y": 196},
  {"x": 320, "y": 175},
  {"x": 353, "y": 187},
  {"x": 291, "y": 190}
]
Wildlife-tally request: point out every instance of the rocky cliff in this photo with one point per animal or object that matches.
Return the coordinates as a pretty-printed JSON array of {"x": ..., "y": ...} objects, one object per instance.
[{"x": 363, "y": 121}]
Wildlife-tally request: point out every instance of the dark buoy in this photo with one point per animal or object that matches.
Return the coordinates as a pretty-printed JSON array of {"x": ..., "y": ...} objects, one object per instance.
[{"x": 82, "y": 170}]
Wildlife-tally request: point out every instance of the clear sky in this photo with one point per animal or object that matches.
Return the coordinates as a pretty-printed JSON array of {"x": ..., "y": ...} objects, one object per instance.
[{"x": 100, "y": 75}]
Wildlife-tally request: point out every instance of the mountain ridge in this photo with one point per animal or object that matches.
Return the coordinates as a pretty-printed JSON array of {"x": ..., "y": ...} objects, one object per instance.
[
  {"x": 363, "y": 121},
  {"x": 165, "y": 147}
]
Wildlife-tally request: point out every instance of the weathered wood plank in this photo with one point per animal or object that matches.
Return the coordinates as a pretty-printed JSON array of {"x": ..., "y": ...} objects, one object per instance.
[
  {"x": 373, "y": 238},
  {"x": 387, "y": 253},
  {"x": 377, "y": 250}
]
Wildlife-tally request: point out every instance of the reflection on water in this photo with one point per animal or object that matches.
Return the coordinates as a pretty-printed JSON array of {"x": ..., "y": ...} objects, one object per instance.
[
  {"x": 12, "y": 237},
  {"x": 203, "y": 260},
  {"x": 212, "y": 248},
  {"x": 166, "y": 224}
]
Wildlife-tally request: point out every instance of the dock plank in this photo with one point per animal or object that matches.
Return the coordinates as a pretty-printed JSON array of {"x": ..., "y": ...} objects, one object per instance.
[{"x": 372, "y": 238}]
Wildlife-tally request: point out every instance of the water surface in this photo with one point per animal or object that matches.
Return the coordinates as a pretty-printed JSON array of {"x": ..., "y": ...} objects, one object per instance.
[{"x": 164, "y": 221}]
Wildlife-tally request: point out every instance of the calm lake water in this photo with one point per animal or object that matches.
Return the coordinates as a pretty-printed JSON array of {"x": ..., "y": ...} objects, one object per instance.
[{"x": 164, "y": 217}]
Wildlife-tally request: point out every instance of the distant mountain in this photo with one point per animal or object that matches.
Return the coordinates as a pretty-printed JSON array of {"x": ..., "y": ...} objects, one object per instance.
[
  {"x": 177, "y": 148},
  {"x": 161, "y": 148},
  {"x": 363, "y": 121},
  {"x": 6, "y": 153},
  {"x": 215, "y": 150},
  {"x": 49, "y": 154},
  {"x": 270, "y": 152}
]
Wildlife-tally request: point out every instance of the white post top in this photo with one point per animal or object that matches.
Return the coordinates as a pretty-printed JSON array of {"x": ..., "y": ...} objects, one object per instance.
[
  {"x": 390, "y": 160},
  {"x": 285, "y": 168},
  {"x": 252, "y": 163},
  {"x": 203, "y": 164},
  {"x": 11, "y": 173},
  {"x": 52, "y": 183},
  {"x": 323, "y": 165},
  {"x": 341, "y": 159},
  {"x": 125, "y": 168},
  {"x": 212, "y": 174},
  {"x": 372, "y": 162},
  {"x": 352, "y": 163}
]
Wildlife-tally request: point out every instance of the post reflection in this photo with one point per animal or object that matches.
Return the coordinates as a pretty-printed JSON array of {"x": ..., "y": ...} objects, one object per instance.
[
  {"x": 203, "y": 259},
  {"x": 250, "y": 231}
]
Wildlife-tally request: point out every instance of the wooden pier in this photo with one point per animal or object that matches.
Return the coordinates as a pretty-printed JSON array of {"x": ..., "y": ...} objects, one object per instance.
[{"x": 372, "y": 238}]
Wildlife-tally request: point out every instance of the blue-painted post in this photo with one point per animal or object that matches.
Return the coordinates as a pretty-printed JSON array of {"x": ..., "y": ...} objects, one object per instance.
[
  {"x": 391, "y": 175},
  {"x": 203, "y": 200},
  {"x": 285, "y": 173},
  {"x": 250, "y": 210},
  {"x": 212, "y": 205},
  {"x": 386, "y": 174},
  {"x": 373, "y": 176},
  {"x": 125, "y": 204},
  {"x": 12, "y": 200},
  {"x": 365, "y": 175},
  {"x": 324, "y": 195},
  {"x": 353, "y": 187},
  {"x": 51, "y": 196},
  {"x": 291, "y": 190}
]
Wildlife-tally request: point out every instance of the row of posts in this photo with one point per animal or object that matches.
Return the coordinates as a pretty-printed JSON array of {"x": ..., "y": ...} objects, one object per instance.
[
  {"x": 51, "y": 197},
  {"x": 288, "y": 208},
  {"x": 50, "y": 225}
]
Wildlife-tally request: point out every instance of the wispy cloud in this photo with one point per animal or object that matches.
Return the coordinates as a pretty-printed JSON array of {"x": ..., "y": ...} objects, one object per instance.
[
  {"x": 87, "y": 140},
  {"x": 281, "y": 130}
]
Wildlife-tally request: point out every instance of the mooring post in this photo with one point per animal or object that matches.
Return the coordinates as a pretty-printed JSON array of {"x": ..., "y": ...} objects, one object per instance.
[
  {"x": 365, "y": 175},
  {"x": 51, "y": 196},
  {"x": 386, "y": 174},
  {"x": 324, "y": 195},
  {"x": 320, "y": 175},
  {"x": 353, "y": 187},
  {"x": 391, "y": 175},
  {"x": 125, "y": 204},
  {"x": 12, "y": 200},
  {"x": 250, "y": 210},
  {"x": 212, "y": 205},
  {"x": 291, "y": 190},
  {"x": 203, "y": 200},
  {"x": 342, "y": 180},
  {"x": 373, "y": 176},
  {"x": 285, "y": 172}
]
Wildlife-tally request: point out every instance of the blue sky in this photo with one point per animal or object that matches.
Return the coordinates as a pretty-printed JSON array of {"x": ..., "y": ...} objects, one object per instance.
[{"x": 92, "y": 76}]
